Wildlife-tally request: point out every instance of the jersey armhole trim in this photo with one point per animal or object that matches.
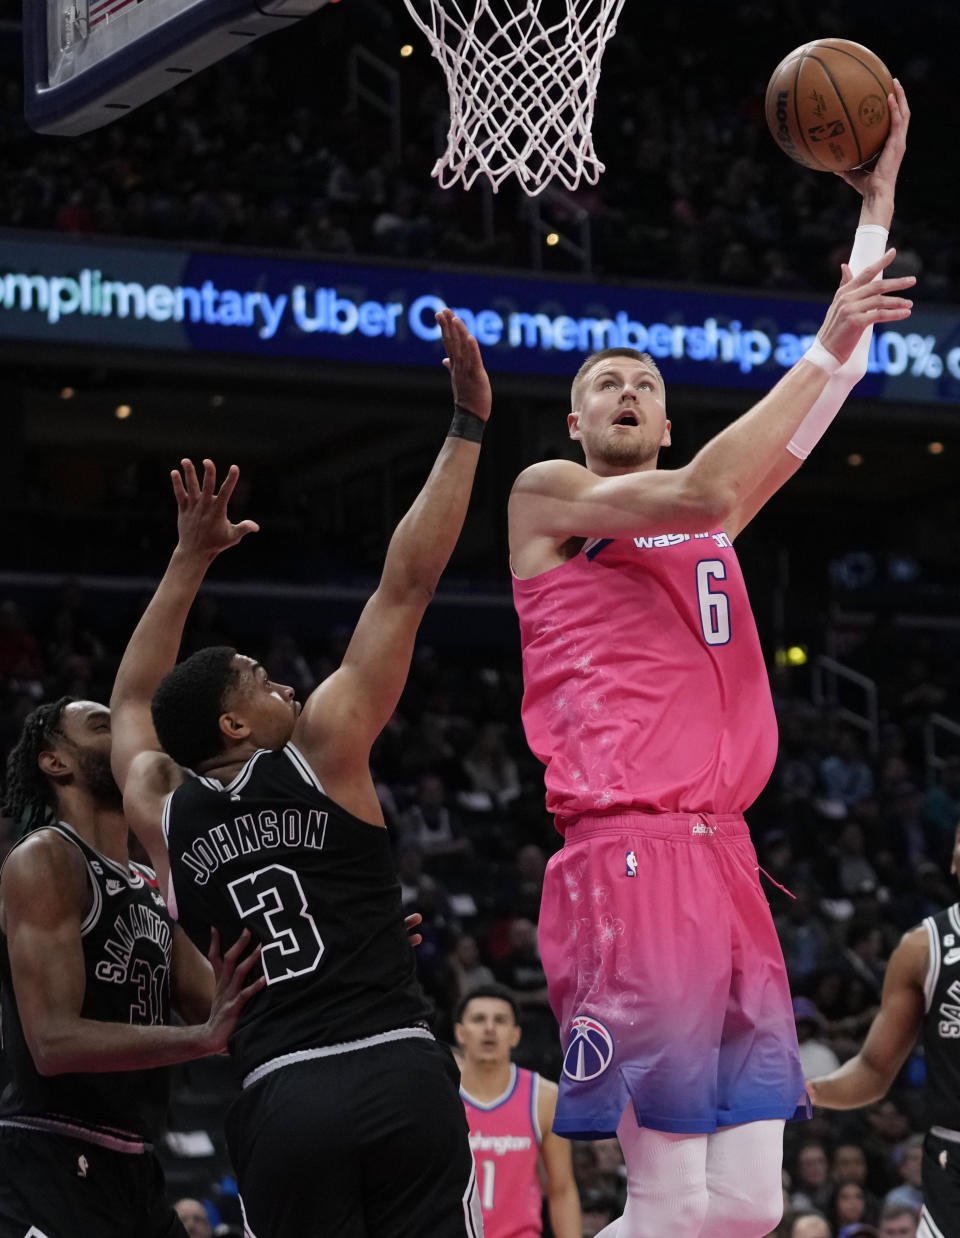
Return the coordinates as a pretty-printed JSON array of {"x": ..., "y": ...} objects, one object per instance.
[
  {"x": 96, "y": 894},
  {"x": 933, "y": 965},
  {"x": 534, "y": 1115},
  {"x": 165, "y": 827},
  {"x": 303, "y": 767}
]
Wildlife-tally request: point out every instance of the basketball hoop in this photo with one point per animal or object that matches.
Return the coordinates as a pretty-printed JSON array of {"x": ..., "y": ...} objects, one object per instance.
[{"x": 522, "y": 87}]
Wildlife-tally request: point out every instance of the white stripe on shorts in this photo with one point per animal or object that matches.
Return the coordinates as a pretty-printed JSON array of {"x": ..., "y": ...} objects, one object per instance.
[
  {"x": 345, "y": 1046},
  {"x": 928, "y": 1228}
]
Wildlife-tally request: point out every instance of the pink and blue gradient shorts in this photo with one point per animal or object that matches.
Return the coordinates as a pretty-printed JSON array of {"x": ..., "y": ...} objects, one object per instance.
[{"x": 667, "y": 978}]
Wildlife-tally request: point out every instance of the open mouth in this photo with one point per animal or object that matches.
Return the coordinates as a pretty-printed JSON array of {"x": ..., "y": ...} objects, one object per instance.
[{"x": 627, "y": 419}]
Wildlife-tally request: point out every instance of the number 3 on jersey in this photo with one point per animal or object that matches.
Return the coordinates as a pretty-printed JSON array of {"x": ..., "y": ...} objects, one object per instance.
[
  {"x": 272, "y": 899},
  {"x": 714, "y": 605}
]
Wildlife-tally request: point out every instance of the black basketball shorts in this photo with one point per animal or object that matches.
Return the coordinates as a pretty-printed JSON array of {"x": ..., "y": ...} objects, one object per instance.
[
  {"x": 52, "y": 1186},
  {"x": 369, "y": 1143},
  {"x": 940, "y": 1216}
]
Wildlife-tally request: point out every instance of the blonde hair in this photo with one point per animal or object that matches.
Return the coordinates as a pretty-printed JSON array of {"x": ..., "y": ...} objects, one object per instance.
[{"x": 603, "y": 355}]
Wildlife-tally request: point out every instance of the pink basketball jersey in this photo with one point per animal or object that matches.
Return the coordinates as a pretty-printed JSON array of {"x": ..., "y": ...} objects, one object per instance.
[
  {"x": 644, "y": 684},
  {"x": 505, "y": 1140}
]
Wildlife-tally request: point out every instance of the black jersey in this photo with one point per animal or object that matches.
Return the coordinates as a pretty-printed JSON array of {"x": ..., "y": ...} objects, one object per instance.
[
  {"x": 271, "y": 852},
  {"x": 941, "y": 1024},
  {"x": 127, "y": 938}
]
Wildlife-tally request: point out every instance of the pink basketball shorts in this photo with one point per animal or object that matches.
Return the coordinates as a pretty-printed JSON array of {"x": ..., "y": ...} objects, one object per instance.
[{"x": 667, "y": 978}]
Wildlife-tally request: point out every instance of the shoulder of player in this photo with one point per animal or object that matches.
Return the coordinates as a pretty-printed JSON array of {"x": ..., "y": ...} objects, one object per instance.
[
  {"x": 45, "y": 866},
  {"x": 911, "y": 958},
  {"x": 547, "y": 1093},
  {"x": 550, "y": 479}
]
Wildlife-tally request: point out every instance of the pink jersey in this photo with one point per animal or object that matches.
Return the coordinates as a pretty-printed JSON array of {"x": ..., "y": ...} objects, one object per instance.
[
  {"x": 644, "y": 685},
  {"x": 505, "y": 1139}
]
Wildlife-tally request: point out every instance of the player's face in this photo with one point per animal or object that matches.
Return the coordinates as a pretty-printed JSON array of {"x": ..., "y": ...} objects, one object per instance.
[
  {"x": 621, "y": 420},
  {"x": 83, "y": 745},
  {"x": 269, "y": 710},
  {"x": 487, "y": 1030}
]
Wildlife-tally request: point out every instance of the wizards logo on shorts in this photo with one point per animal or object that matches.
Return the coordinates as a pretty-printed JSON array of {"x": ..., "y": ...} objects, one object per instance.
[{"x": 589, "y": 1051}]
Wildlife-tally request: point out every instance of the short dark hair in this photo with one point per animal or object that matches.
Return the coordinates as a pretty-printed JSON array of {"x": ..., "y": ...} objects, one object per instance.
[
  {"x": 30, "y": 796},
  {"x": 486, "y": 990},
  {"x": 188, "y": 702}
]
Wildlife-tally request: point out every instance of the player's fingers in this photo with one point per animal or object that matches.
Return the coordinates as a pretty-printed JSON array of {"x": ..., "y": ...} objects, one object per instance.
[
  {"x": 237, "y": 948},
  {"x": 228, "y": 485},
  {"x": 252, "y": 989},
  {"x": 213, "y": 951},
  {"x": 190, "y": 478},
  {"x": 242, "y": 970},
  {"x": 244, "y": 527},
  {"x": 412, "y": 920},
  {"x": 178, "y": 491},
  {"x": 416, "y": 939},
  {"x": 209, "y": 477}
]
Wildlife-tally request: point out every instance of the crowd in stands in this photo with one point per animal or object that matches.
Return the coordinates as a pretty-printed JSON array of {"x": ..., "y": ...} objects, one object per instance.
[
  {"x": 860, "y": 840},
  {"x": 269, "y": 148}
]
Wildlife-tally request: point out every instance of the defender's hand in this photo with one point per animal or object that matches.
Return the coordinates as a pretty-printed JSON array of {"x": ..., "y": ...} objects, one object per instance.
[
  {"x": 471, "y": 386},
  {"x": 202, "y": 521}
]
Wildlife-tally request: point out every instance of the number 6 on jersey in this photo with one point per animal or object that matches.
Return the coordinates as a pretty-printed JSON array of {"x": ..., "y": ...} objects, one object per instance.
[{"x": 714, "y": 605}]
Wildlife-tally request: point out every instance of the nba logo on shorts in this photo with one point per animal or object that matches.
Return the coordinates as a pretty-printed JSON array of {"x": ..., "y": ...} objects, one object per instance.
[
  {"x": 631, "y": 858},
  {"x": 590, "y": 1049}
]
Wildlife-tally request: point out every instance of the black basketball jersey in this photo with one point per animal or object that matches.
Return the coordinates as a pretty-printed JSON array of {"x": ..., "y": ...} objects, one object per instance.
[
  {"x": 271, "y": 852},
  {"x": 941, "y": 1024},
  {"x": 127, "y": 938}
]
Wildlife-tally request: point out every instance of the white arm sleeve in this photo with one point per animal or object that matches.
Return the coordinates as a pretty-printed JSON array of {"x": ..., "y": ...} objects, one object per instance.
[{"x": 869, "y": 244}]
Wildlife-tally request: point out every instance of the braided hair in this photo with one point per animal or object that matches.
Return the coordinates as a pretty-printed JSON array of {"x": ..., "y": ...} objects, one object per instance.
[{"x": 30, "y": 797}]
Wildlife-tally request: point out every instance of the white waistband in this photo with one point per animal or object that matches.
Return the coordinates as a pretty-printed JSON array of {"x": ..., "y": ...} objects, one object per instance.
[
  {"x": 128, "y": 1144},
  {"x": 345, "y": 1046},
  {"x": 944, "y": 1132}
]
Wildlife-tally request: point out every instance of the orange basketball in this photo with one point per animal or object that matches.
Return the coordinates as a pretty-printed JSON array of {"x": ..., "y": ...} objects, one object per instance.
[{"x": 826, "y": 105}]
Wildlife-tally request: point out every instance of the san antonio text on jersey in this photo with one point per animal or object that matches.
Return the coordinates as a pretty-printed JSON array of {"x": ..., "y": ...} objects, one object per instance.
[
  {"x": 941, "y": 1024},
  {"x": 271, "y": 852},
  {"x": 127, "y": 938}
]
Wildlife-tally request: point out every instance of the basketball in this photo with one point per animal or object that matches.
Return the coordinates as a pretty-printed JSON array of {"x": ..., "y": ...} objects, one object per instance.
[{"x": 826, "y": 105}]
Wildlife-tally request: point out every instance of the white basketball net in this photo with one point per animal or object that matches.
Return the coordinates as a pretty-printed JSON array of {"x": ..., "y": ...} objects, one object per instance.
[{"x": 522, "y": 88}]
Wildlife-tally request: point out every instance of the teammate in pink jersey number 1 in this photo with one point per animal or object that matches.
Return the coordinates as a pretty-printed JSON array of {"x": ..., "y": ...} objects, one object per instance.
[
  {"x": 510, "y": 1112},
  {"x": 647, "y": 699}
]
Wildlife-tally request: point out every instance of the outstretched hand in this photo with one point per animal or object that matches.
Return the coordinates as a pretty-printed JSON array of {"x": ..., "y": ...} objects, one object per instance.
[
  {"x": 881, "y": 180},
  {"x": 230, "y": 995},
  {"x": 859, "y": 302},
  {"x": 471, "y": 386},
  {"x": 202, "y": 521}
]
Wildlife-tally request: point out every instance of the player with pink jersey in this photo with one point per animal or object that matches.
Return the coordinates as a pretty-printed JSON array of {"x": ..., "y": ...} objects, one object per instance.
[
  {"x": 646, "y": 697},
  {"x": 510, "y": 1112}
]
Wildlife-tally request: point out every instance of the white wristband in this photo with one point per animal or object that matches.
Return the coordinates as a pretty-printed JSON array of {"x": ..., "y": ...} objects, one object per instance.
[{"x": 818, "y": 355}]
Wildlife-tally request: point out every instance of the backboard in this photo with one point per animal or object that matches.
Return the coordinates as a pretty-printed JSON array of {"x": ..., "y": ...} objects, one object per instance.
[{"x": 87, "y": 62}]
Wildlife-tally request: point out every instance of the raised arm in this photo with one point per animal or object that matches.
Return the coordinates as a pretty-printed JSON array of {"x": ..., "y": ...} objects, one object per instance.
[
  {"x": 346, "y": 713},
  {"x": 878, "y": 189},
  {"x": 557, "y": 500},
  {"x": 43, "y": 894},
  {"x": 144, "y": 774},
  {"x": 893, "y": 1033}
]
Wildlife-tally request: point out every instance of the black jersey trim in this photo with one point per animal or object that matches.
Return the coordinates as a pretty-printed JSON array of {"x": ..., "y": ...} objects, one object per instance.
[
  {"x": 130, "y": 1144},
  {"x": 68, "y": 833},
  {"x": 303, "y": 767},
  {"x": 344, "y": 1046},
  {"x": 933, "y": 965},
  {"x": 953, "y": 914}
]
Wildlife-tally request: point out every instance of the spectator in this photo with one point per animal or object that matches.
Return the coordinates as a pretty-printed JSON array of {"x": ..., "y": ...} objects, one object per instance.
[
  {"x": 811, "y": 1177},
  {"x": 898, "y": 1221},
  {"x": 845, "y": 777},
  {"x": 194, "y": 1217},
  {"x": 807, "y": 1225},
  {"x": 816, "y": 1057},
  {"x": 849, "y": 1204},
  {"x": 466, "y": 968},
  {"x": 908, "y": 1158}
]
